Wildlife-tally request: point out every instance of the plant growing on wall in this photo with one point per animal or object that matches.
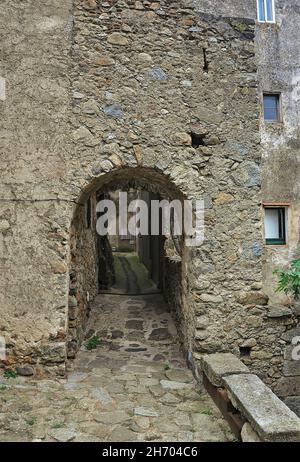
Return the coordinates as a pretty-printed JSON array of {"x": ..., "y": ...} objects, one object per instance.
[{"x": 289, "y": 280}]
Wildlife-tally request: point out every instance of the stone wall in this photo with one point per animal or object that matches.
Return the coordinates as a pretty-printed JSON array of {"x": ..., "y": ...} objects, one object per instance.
[
  {"x": 84, "y": 252},
  {"x": 157, "y": 94},
  {"x": 167, "y": 62},
  {"x": 172, "y": 290},
  {"x": 35, "y": 207}
]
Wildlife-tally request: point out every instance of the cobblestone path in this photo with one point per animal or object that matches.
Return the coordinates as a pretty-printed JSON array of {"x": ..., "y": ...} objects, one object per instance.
[{"x": 135, "y": 386}]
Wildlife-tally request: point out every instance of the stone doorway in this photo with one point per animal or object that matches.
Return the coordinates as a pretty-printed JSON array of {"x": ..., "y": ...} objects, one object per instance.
[{"x": 99, "y": 265}]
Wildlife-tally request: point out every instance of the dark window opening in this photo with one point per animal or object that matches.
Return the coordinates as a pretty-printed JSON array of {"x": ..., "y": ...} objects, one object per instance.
[
  {"x": 88, "y": 213},
  {"x": 271, "y": 107},
  {"x": 275, "y": 225},
  {"x": 245, "y": 351},
  {"x": 197, "y": 140},
  {"x": 205, "y": 62}
]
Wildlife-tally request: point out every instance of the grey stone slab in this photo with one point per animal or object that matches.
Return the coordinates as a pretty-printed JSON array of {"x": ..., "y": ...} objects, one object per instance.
[
  {"x": 218, "y": 365},
  {"x": 145, "y": 412},
  {"x": 175, "y": 385},
  {"x": 112, "y": 418},
  {"x": 267, "y": 414},
  {"x": 63, "y": 435},
  {"x": 278, "y": 311},
  {"x": 102, "y": 395}
]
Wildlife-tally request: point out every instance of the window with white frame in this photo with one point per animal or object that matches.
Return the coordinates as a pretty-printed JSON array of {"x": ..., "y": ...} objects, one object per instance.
[
  {"x": 266, "y": 10},
  {"x": 276, "y": 225},
  {"x": 272, "y": 107}
]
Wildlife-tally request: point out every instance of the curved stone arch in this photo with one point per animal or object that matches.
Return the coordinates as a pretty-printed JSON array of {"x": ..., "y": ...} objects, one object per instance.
[
  {"x": 167, "y": 186},
  {"x": 175, "y": 181}
]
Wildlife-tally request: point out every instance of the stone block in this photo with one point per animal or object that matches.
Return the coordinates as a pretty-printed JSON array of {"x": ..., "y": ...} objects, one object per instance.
[
  {"x": 25, "y": 371},
  {"x": 278, "y": 311},
  {"x": 253, "y": 298},
  {"x": 267, "y": 414},
  {"x": 219, "y": 365},
  {"x": 248, "y": 435},
  {"x": 53, "y": 352},
  {"x": 116, "y": 38},
  {"x": 63, "y": 435},
  {"x": 209, "y": 298},
  {"x": 296, "y": 309}
]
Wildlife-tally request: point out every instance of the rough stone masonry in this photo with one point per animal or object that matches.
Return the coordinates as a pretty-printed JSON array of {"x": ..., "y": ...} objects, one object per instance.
[{"x": 104, "y": 93}]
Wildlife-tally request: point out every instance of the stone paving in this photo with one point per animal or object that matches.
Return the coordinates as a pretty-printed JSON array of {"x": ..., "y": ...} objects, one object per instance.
[{"x": 134, "y": 386}]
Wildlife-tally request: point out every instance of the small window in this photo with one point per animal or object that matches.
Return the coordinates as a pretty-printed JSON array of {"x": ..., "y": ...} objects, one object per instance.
[
  {"x": 275, "y": 225},
  {"x": 266, "y": 10},
  {"x": 272, "y": 107},
  {"x": 88, "y": 213}
]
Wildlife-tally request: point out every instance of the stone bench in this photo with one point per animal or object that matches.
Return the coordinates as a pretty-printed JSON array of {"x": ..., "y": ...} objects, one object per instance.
[{"x": 269, "y": 418}]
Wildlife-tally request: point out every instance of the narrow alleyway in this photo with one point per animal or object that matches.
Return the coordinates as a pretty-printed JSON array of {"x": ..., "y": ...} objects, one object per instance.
[
  {"x": 131, "y": 275},
  {"x": 134, "y": 386}
]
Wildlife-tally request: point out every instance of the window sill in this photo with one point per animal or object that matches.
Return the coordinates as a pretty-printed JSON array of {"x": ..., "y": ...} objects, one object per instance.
[
  {"x": 276, "y": 246},
  {"x": 266, "y": 23}
]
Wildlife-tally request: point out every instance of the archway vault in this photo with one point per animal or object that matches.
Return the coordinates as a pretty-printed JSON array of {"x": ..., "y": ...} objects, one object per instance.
[
  {"x": 147, "y": 178},
  {"x": 84, "y": 269}
]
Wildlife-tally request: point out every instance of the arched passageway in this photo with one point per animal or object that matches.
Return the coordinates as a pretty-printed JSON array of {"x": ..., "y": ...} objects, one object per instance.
[
  {"x": 121, "y": 263},
  {"x": 133, "y": 327}
]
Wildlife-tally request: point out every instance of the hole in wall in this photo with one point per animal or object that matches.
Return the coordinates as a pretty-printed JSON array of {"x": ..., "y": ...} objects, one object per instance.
[
  {"x": 197, "y": 140},
  {"x": 245, "y": 352}
]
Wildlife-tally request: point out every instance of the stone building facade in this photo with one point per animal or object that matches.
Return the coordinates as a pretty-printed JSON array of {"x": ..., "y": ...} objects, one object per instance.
[
  {"x": 104, "y": 95},
  {"x": 277, "y": 57}
]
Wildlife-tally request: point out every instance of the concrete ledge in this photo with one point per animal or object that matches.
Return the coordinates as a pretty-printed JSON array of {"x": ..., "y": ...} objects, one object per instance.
[
  {"x": 268, "y": 416},
  {"x": 263, "y": 416},
  {"x": 219, "y": 365}
]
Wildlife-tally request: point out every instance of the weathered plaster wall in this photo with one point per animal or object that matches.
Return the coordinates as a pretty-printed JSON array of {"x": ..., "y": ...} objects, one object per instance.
[
  {"x": 279, "y": 70},
  {"x": 34, "y": 208}
]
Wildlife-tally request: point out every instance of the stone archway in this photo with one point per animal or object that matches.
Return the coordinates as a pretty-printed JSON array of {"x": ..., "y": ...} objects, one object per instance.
[{"x": 84, "y": 253}]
